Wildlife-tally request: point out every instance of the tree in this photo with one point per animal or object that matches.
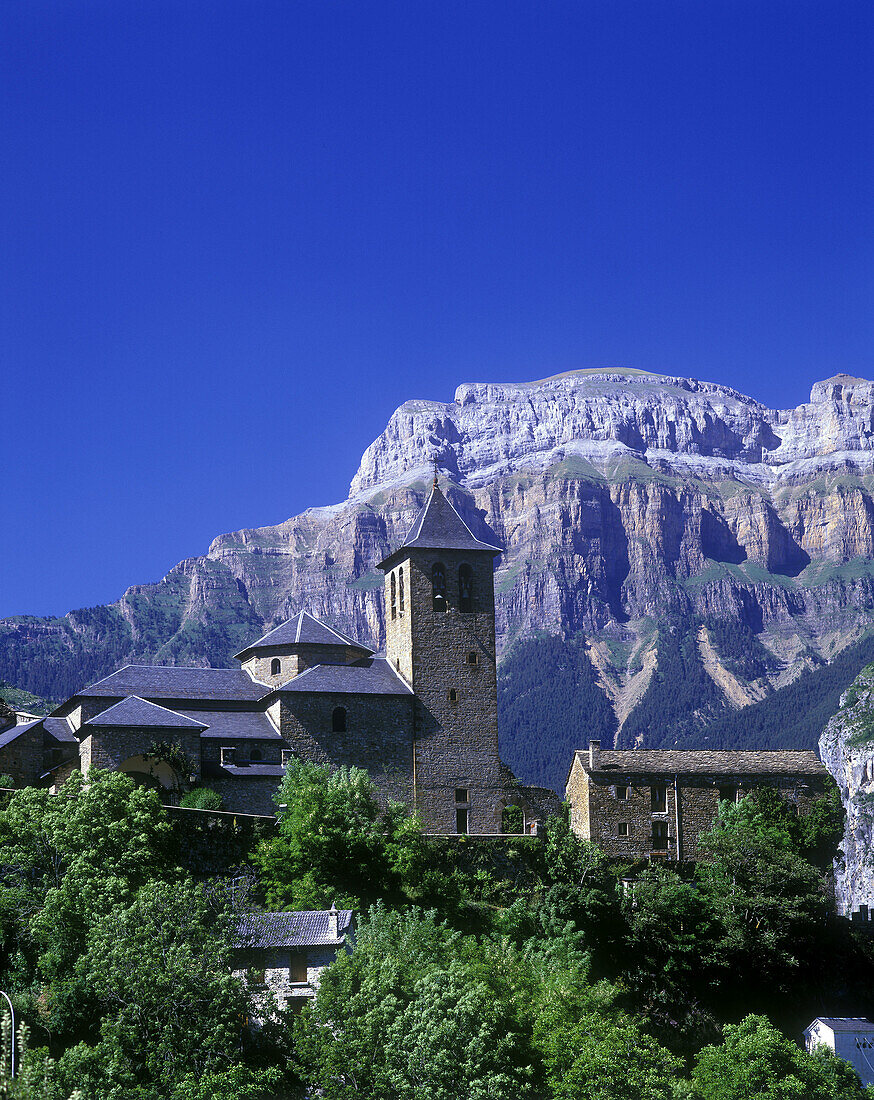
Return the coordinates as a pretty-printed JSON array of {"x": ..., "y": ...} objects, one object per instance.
[
  {"x": 755, "y": 1060},
  {"x": 669, "y": 935},
  {"x": 68, "y": 860},
  {"x": 609, "y": 1057},
  {"x": 411, "y": 1014},
  {"x": 769, "y": 904},
  {"x": 581, "y": 890},
  {"x": 160, "y": 970},
  {"x": 334, "y": 844}
]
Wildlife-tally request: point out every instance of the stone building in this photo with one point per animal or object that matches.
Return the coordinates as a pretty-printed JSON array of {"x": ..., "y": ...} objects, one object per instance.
[
  {"x": 639, "y": 804},
  {"x": 422, "y": 718},
  {"x": 284, "y": 954}
]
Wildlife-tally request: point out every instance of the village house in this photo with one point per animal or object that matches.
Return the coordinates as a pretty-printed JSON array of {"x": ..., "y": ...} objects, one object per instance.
[
  {"x": 655, "y": 804},
  {"x": 283, "y": 955},
  {"x": 421, "y": 718},
  {"x": 849, "y": 1037}
]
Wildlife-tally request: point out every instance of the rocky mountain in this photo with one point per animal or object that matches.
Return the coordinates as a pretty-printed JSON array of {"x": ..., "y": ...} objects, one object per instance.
[
  {"x": 847, "y": 750},
  {"x": 697, "y": 551}
]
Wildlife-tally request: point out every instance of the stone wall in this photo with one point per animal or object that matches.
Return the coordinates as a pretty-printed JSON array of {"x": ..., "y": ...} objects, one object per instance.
[
  {"x": 378, "y": 736},
  {"x": 245, "y": 795},
  {"x": 295, "y": 659},
  {"x": 598, "y": 809},
  {"x": 22, "y": 758},
  {"x": 110, "y": 746},
  {"x": 279, "y": 967}
]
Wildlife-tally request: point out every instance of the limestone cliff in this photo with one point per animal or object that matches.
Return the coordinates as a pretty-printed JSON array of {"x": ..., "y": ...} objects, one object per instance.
[
  {"x": 625, "y": 501},
  {"x": 847, "y": 750}
]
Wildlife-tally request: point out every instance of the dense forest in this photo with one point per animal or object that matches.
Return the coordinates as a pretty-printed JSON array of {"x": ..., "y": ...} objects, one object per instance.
[{"x": 510, "y": 969}]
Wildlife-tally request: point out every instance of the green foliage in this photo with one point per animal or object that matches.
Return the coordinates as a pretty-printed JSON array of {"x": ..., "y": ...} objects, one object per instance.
[
  {"x": 160, "y": 971},
  {"x": 681, "y": 697},
  {"x": 794, "y": 716},
  {"x": 771, "y": 905},
  {"x": 594, "y": 1055},
  {"x": 36, "y": 1076},
  {"x": 334, "y": 844},
  {"x": 70, "y": 859},
  {"x": 201, "y": 798},
  {"x": 547, "y": 692},
  {"x": 19, "y": 699},
  {"x": 755, "y": 1060},
  {"x": 512, "y": 819},
  {"x": 739, "y": 649}
]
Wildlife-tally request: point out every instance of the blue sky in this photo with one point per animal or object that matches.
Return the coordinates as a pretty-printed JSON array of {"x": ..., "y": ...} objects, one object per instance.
[{"x": 235, "y": 235}]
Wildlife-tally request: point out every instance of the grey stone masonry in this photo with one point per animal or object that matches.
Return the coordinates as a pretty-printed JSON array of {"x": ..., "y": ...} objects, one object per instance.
[
  {"x": 447, "y": 655},
  {"x": 657, "y": 805}
]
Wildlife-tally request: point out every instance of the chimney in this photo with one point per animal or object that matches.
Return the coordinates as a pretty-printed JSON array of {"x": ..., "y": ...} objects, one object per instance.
[
  {"x": 334, "y": 922},
  {"x": 594, "y": 754},
  {"x": 228, "y": 755}
]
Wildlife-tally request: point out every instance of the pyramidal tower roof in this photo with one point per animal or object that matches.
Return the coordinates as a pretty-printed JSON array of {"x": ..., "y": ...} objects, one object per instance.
[
  {"x": 439, "y": 527},
  {"x": 303, "y": 629}
]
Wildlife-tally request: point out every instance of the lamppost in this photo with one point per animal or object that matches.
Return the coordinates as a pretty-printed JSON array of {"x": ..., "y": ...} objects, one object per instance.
[{"x": 12, "y": 1014}]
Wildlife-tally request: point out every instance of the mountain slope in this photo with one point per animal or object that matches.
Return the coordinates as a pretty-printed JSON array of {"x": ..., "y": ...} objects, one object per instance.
[{"x": 705, "y": 550}]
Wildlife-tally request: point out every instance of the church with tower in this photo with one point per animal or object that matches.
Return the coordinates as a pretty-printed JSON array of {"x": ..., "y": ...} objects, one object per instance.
[{"x": 422, "y": 718}]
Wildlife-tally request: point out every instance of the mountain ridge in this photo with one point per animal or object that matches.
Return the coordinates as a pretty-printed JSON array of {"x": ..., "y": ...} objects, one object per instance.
[{"x": 625, "y": 500}]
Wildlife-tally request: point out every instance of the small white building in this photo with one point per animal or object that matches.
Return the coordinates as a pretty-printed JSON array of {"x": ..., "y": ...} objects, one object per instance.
[
  {"x": 849, "y": 1037},
  {"x": 284, "y": 954}
]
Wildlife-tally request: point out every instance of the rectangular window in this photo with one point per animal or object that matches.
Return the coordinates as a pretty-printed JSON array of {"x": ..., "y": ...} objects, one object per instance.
[
  {"x": 659, "y": 799},
  {"x": 728, "y": 794},
  {"x": 622, "y": 828},
  {"x": 660, "y": 836},
  {"x": 622, "y": 793},
  {"x": 460, "y": 794},
  {"x": 461, "y": 821},
  {"x": 297, "y": 968}
]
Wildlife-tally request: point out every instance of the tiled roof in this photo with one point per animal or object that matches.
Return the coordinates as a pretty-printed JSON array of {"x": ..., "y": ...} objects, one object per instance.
[
  {"x": 843, "y": 1023},
  {"x": 178, "y": 682},
  {"x": 373, "y": 676},
  {"x": 58, "y": 730},
  {"x": 303, "y": 929},
  {"x": 303, "y": 629},
  {"x": 439, "y": 527},
  {"x": 14, "y": 732},
  {"x": 234, "y": 724},
  {"x": 134, "y": 711},
  {"x": 703, "y": 762}
]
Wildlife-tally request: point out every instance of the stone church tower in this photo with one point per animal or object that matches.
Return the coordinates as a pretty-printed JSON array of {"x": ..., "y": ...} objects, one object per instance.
[{"x": 440, "y": 637}]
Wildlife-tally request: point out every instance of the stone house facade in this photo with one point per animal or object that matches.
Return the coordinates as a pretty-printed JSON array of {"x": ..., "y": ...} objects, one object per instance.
[
  {"x": 650, "y": 804},
  {"x": 282, "y": 955},
  {"x": 422, "y": 718}
]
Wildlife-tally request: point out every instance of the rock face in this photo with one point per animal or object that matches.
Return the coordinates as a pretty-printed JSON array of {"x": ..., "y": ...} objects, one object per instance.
[
  {"x": 847, "y": 750},
  {"x": 624, "y": 500}
]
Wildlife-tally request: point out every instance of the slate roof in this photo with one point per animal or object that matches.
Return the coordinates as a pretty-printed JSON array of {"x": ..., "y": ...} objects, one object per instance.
[
  {"x": 178, "y": 682},
  {"x": 303, "y": 629},
  {"x": 703, "y": 762},
  {"x": 302, "y": 929},
  {"x": 134, "y": 711},
  {"x": 14, "y": 732},
  {"x": 373, "y": 676},
  {"x": 58, "y": 730},
  {"x": 843, "y": 1023},
  {"x": 235, "y": 724},
  {"x": 439, "y": 527},
  {"x": 254, "y": 771}
]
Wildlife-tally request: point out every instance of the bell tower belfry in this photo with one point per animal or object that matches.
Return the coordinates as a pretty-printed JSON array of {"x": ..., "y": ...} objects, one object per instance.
[{"x": 440, "y": 637}]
